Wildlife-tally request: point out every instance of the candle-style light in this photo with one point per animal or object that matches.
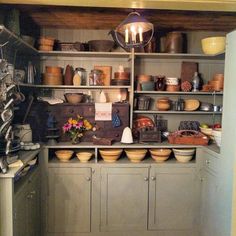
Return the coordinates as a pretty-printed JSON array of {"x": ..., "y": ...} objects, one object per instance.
[{"x": 134, "y": 31}]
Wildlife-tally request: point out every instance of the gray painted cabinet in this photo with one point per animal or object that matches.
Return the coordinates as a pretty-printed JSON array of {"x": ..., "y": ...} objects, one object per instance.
[
  {"x": 69, "y": 200},
  {"x": 27, "y": 207},
  {"x": 172, "y": 199},
  {"x": 124, "y": 199},
  {"x": 210, "y": 190}
]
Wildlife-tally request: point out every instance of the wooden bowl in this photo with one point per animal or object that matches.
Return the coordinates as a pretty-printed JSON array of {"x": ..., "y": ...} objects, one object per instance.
[
  {"x": 74, "y": 98},
  {"x": 84, "y": 156},
  {"x": 191, "y": 104},
  {"x": 52, "y": 79},
  {"x": 172, "y": 88},
  {"x": 46, "y": 41},
  {"x": 101, "y": 45},
  {"x": 45, "y": 48},
  {"x": 64, "y": 155},
  {"x": 53, "y": 69},
  {"x": 136, "y": 155}
]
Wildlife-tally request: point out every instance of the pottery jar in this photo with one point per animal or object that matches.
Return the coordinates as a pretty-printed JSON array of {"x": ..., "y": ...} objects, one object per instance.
[
  {"x": 160, "y": 83},
  {"x": 163, "y": 104}
]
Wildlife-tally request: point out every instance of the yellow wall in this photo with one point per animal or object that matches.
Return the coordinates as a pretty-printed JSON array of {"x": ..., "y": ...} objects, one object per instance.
[{"x": 211, "y": 5}]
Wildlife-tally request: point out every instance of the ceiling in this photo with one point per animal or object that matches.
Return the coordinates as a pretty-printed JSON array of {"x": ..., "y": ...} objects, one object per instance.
[{"x": 109, "y": 18}]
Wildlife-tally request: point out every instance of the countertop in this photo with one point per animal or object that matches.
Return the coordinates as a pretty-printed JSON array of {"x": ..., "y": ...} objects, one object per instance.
[{"x": 25, "y": 157}]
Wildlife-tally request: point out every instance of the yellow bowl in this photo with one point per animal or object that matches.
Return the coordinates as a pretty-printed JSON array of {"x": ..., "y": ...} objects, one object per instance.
[
  {"x": 213, "y": 45},
  {"x": 84, "y": 156},
  {"x": 110, "y": 155},
  {"x": 64, "y": 155},
  {"x": 160, "y": 154},
  {"x": 136, "y": 155}
]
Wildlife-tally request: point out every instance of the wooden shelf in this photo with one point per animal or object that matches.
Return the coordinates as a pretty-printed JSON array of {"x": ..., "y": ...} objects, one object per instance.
[
  {"x": 16, "y": 42},
  {"x": 178, "y": 93},
  {"x": 85, "y": 54},
  {"x": 178, "y": 112},
  {"x": 180, "y": 56},
  {"x": 73, "y": 87}
]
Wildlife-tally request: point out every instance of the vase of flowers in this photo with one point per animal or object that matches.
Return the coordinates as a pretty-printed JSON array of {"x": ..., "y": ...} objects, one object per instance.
[{"x": 75, "y": 128}]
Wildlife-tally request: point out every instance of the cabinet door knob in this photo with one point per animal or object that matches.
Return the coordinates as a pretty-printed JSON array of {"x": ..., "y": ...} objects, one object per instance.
[
  {"x": 29, "y": 196},
  {"x": 207, "y": 162},
  {"x": 33, "y": 192},
  {"x": 88, "y": 178},
  {"x": 145, "y": 178},
  {"x": 153, "y": 178}
]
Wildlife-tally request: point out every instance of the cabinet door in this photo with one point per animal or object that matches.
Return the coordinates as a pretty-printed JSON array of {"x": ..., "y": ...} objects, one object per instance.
[
  {"x": 124, "y": 199},
  {"x": 172, "y": 199},
  {"x": 69, "y": 200},
  {"x": 34, "y": 206},
  {"x": 21, "y": 212},
  {"x": 209, "y": 205}
]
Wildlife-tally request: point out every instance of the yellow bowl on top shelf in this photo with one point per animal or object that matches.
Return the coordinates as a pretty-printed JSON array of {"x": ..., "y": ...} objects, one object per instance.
[
  {"x": 64, "y": 155},
  {"x": 213, "y": 45}
]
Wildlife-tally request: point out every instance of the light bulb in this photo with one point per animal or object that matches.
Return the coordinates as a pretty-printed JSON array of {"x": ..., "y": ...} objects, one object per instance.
[{"x": 140, "y": 30}]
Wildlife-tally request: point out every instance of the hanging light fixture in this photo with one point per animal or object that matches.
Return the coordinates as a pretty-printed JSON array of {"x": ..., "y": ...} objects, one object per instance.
[{"x": 134, "y": 31}]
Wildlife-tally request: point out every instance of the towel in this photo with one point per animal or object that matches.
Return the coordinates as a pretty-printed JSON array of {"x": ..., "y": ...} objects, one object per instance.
[{"x": 103, "y": 111}]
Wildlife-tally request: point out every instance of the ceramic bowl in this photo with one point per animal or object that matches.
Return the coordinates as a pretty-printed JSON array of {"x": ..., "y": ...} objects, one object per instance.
[
  {"x": 110, "y": 155},
  {"x": 84, "y": 156},
  {"x": 136, "y": 155},
  {"x": 207, "y": 132},
  {"x": 213, "y": 45},
  {"x": 184, "y": 155},
  {"x": 172, "y": 81},
  {"x": 64, "y": 155},
  {"x": 160, "y": 154},
  {"x": 73, "y": 98}
]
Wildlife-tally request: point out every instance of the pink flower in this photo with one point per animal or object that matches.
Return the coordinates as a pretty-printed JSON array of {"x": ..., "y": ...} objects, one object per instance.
[
  {"x": 79, "y": 125},
  {"x": 67, "y": 127}
]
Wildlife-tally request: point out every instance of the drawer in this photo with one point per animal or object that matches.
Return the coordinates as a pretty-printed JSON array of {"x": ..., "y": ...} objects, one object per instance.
[{"x": 211, "y": 162}]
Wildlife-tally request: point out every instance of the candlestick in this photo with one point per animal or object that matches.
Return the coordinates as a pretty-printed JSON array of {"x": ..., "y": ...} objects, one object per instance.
[
  {"x": 140, "y": 30},
  {"x": 126, "y": 35}
]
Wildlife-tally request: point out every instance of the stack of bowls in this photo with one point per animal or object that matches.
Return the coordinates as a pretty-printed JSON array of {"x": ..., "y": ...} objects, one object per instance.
[
  {"x": 184, "y": 155},
  {"x": 136, "y": 155},
  {"x": 64, "y": 155},
  {"x": 217, "y": 136},
  {"x": 53, "y": 76},
  {"x": 46, "y": 43},
  {"x": 110, "y": 155},
  {"x": 160, "y": 155},
  {"x": 84, "y": 156},
  {"x": 217, "y": 82},
  {"x": 172, "y": 84}
]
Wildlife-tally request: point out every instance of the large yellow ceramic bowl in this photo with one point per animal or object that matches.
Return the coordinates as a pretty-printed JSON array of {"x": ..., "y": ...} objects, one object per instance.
[
  {"x": 136, "y": 155},
  {"x": 213, "y": 45},
  {"x": 64, "y": 155},
  {"x": 84, "y": 156},
  {"x": 160, "y": 154},
  {"x": 110, "y": 155}
]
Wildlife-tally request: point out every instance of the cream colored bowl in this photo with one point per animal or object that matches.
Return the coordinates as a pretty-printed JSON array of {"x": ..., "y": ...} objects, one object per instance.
[
  {"x": 64, "y": 155},
  {"x": 184, "y": 155},
  {"x": 110, "y": 155},
  {"x": 136, "y": 155},
  {"x": 207, "y": 132},
  {"x": 160, "y": 154},
  {"x": 213, "y": 45},
  {"x": 84, "y": 156}
]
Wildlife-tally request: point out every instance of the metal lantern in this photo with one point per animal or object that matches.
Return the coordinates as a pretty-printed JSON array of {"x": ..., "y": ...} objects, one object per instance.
[{"x": 134, "y": 31}]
